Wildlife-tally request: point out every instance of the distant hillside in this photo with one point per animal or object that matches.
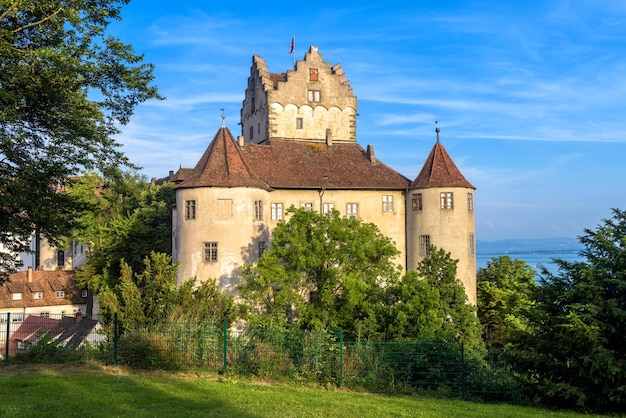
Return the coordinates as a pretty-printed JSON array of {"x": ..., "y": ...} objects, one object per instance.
[{"x": 545, "y": 245}]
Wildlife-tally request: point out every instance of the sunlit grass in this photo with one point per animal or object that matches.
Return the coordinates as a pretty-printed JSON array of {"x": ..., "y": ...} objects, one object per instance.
[{"x": 97, "y": 391}]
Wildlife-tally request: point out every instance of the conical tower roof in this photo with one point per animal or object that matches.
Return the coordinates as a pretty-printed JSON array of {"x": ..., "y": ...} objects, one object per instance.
[
  {"x": 440, "y": 171},
  {"x": 222, "y": 165}
]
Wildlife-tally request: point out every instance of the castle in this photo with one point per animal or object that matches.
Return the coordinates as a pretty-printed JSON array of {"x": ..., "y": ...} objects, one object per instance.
[{"x": 298, "y": 147}]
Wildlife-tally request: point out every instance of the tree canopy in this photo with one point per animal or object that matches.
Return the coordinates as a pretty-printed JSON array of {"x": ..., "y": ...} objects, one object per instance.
[
  {"x": 150, "y": 297},
  {"x": 334, "y": 273},
  {"x": 127, "y": 219},
  {"x": 323, "y": 271},
  {"x": 573, "y": 352},
  {"x": 66, "y": 87},
  {"x": 504, "y": 290}
]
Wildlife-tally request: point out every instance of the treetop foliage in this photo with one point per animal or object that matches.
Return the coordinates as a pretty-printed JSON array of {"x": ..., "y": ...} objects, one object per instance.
[
  {"x": 573, "y": 352},
  {"x": 66, "y": 87},
  {"x": 325, "y": 272}
]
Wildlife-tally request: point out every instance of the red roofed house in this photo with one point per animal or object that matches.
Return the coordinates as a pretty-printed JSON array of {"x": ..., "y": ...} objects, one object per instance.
[
  {"x": 43, "y": 293},
  {"x": 298, "y": 147}
]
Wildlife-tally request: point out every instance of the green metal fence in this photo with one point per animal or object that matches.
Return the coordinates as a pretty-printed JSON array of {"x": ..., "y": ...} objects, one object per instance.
[{"x": 325, "y": 358}]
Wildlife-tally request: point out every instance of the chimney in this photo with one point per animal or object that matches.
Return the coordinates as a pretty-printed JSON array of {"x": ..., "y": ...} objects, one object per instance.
[
  {"x": 370, "y": 154},
  {"x": 29, "y": 274},
  {"x": 171, "y": 174},
  {"x": 329, "y": 137},
  {"x": 240, "y": 141}
]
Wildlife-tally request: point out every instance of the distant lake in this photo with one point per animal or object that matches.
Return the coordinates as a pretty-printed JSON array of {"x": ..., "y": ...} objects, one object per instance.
[{"x": 532, "y": 258}]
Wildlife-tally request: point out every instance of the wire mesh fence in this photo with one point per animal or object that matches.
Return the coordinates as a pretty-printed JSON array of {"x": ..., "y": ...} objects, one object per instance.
[{"x": 325, "y": 358}]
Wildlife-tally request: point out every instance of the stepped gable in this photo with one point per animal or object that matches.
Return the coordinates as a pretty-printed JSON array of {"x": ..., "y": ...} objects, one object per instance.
[
  {"x": 222, "y": 165},
  {"x": 440, "y": 171},
  {"x": 301, "y": 164}
]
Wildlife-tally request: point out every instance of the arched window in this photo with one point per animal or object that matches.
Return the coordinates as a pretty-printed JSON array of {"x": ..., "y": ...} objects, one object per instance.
[{"x": 60, "y": 258}]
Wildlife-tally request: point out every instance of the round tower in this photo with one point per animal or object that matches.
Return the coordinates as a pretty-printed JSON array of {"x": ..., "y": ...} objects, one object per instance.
[{"x": 440, "y": 212}]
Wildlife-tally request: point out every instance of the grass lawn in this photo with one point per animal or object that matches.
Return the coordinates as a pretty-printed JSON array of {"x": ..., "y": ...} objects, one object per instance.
[{"x": 94, "y": 390}]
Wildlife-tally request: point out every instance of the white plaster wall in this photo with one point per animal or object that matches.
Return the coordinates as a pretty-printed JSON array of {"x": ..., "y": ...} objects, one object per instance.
[{"x": 448, "y": 229}]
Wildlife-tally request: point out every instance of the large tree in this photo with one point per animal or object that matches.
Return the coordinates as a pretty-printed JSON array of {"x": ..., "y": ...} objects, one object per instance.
[
  {"x": 128, "y": 219},
  {"x": 150, "y": 297},
  {"x": 504, "y": 290},
  {"x": 573, "y": 353},
  {"x": 65, "y": 89},
  {"x": 324, "y": 272}
]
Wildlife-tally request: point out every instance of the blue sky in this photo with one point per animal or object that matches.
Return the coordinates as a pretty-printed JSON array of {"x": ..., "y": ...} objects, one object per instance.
[{"x": 530, "y": 95}]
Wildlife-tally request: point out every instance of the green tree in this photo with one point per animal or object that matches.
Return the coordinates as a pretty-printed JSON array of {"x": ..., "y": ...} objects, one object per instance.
[
  {"x": 573, "y": 353},
  {"x": 204, "y": 303},
  {"x": 323, "y": 272},
  {"x": 460, "y": 323},
  {"x": 151, "y": 297},
  {"x": 411, "y": 310},
  {"x": 128, "y": 219},
  {"x": 65, "y": 89},
  {"x": 504, "y": 291}
]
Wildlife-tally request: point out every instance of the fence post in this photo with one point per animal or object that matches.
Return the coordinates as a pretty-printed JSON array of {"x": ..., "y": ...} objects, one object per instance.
[
  {"x": 340, "y": 358},
  {"x": 115, "y": 339},
  {"x": 463, "y": 370},
  {"x": 6, "y": 345},
  {"x": 225, "y": 336}
]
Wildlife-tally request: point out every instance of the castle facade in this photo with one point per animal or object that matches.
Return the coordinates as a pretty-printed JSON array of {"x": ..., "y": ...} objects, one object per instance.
[{"x": 298, "y": 146}]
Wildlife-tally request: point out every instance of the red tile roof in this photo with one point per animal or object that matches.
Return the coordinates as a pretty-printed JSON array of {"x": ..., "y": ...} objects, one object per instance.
[
  {"x": 290, "y": 164},
  {"x": 440, "y": 171},
  {"x": 222, "y": 165},
  {"x": 46, "y": 281}
]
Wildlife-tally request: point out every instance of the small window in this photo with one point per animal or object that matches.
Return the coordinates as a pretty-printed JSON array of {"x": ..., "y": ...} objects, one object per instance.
[
  {"x": 470, "y": 202},
  {"x": 416, "y": 201},
  {"x": 424, "y": 245},
  {"x": 387, "y": 203},
  {"x": 472, "y": 245},
  {"x": 190, "y": 209},
  {"x": 306, "y": 206},
  {"x": 328, "y": 207},
  {"x": 446, "y": 200},
  {"x": 262, "y": 247},
  {"x": 38, "y": 295},
  {"x": 16, "y": 296},
  {"x": 60, "y": 258},
  {"x": 84, "y": 293},
  {"x": 258, "y": 129},
  {"x": 352, "y": 210},
  {"x": 258, "y": 209},
  {"x": 59, "y": 294},
  {"x": 44, "y": 314},
  {"x": 251, "y": 132},
  {"x": 252, "y": 104},
  {"x": 210, "y": 251},
  {"x": 313, "y": 74},
  {"x": 17, "y": 317},
  {"x": 277, "y": 211},
  {"x": 299, "y": 123},
  {"x": 314, "y": 96}
]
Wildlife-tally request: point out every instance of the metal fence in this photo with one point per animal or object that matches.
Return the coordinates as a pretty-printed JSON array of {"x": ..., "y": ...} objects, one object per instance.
[{"x": 325, "y": 358}]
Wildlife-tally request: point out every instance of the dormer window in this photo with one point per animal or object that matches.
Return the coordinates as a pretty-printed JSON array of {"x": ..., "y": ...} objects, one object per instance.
[
  {"x": 59, "y": 294},
  {"x": 16, "y": 296},
  {"x": 38, "y": 295}
]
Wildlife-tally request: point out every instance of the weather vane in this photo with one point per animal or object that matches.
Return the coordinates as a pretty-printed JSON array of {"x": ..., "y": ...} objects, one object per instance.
[
  {"x": 437, "y": 129},
  {"x": 223, "y": 118}
]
